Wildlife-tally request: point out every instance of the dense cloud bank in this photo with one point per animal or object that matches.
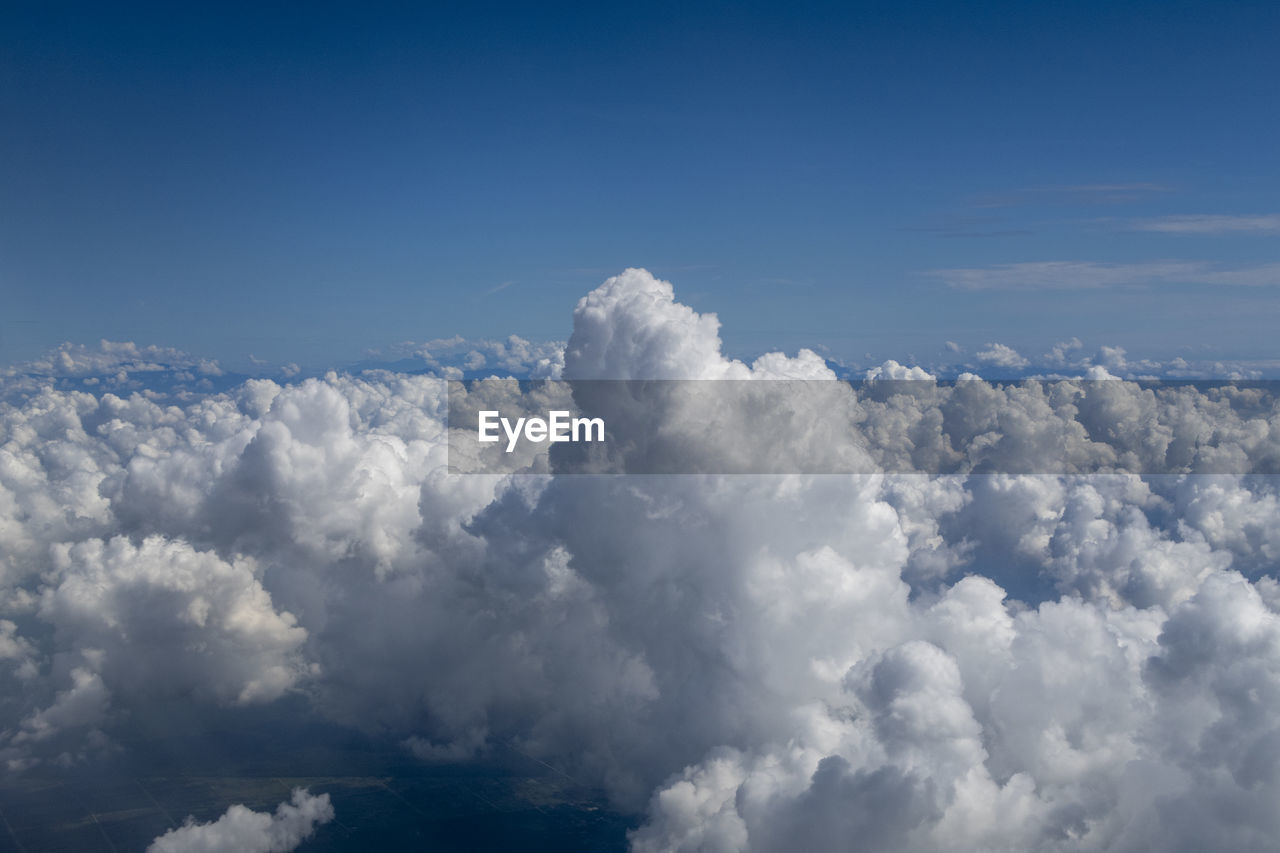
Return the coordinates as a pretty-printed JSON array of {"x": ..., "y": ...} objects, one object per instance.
[{"x": 994, "y": 662}]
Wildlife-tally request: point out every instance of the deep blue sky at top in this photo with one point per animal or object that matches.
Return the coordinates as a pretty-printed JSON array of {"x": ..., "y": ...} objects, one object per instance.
[{"x": 306, "y": 181}]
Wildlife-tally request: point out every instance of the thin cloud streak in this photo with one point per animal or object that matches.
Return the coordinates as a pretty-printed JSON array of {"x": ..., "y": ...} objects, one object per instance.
[
  {"x": 1074, "y": 194},
  {"x": 1211, "y": 224},
  {"x": 1090, "y": 275},
  {"x": 1112, "y": 188}
]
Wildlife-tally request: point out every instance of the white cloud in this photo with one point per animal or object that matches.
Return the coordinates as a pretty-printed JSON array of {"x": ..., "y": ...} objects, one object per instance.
[
  {"x": 1000, "y": 355},
  {"x": 1058, "y": 355},
  {"x": 113, "y": 356},
  {"x": 242, "y": 830},
  {"x": 631, "y": 327},
  {"x": 894, "y": 371},
  {"x": 168, "y": 618},
  {"x": 512, "y": 356}
]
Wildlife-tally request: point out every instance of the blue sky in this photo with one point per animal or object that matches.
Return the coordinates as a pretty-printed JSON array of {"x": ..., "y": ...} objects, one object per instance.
[{"x": 307, "y": 183}]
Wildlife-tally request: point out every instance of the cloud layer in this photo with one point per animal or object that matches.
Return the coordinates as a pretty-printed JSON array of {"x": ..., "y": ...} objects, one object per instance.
[{"x": 980, "y": 661}]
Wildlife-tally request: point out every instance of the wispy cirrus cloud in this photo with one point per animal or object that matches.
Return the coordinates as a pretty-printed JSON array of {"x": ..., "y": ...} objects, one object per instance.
[
  {"x": 1086, "y": 275},
  {"x": 1211, "y": 224},
  {"x": 498, "y": 288},
  {"x": 1074, "y": 194},
  {"x": 1131, "y": 187}
]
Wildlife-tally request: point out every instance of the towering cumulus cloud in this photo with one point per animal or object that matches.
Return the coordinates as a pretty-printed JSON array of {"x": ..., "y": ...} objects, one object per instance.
[{"x": 906, "y": 662}]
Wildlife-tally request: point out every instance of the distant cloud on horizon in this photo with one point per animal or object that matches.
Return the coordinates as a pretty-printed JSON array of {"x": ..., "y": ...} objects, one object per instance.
[{"x": 1001, "y": 355}]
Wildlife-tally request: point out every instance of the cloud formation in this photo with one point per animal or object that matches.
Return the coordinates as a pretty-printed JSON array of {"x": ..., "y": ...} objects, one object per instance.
[{"x": 979, "y": 661}]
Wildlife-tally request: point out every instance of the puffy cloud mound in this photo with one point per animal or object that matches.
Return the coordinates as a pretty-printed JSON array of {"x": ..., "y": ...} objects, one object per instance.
[
  {"x": 242, "y": 830},
  {"x": 166, "y": 617},
  {"x": 977, "y": 661},
  {"x": 632, "y": 327},
  {"x": 455, "y": 357},
  {"x": 1000, "y": 355}
]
